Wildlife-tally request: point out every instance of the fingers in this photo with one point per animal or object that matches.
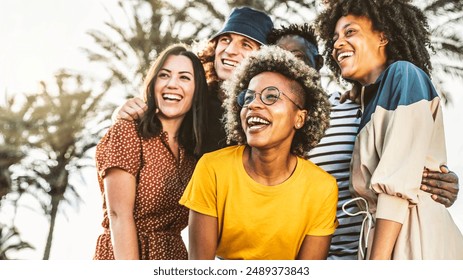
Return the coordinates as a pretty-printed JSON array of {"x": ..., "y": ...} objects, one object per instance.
[
  {"x": 440, "y": 195},
  {"x": 444, "y": 169},
  {"x": 125, "y": 116},
  {"x": 442, "y": 200},
  {"x": 443, "y": 186},
  {"x": 446, "y": 175},
  {"x": 344, "y": 97},
  {"x": 352, "y": 94},
  {"x": 436, "y": 186},
  {"x": 133, "y": 109}
]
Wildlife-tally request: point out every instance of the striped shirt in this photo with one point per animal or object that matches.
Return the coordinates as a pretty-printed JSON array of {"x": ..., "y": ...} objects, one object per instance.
[{"x": 333, "y": 154}]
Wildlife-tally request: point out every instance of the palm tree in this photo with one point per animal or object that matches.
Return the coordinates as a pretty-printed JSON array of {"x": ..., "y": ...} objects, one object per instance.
[
  {"x": 128, "y": 47},
  {"x": 61, "y": 127},
  {"x": 445, "y": 19},
  {"x": 63, "y": 137},
  {"x": 10, "y": 147},
  {"x": 133, "y": 41},
  {"x": 10, "y": 241}
]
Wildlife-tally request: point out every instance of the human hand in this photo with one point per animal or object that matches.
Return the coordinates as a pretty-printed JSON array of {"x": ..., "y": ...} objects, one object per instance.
[
  {"x": 352, "y": 94},
  {"x": 443, "y": 186},
  {"x": 132, "y": 109}
]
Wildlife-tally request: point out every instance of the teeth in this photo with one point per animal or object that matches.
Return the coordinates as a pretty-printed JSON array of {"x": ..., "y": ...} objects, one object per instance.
[
  {"x": 256, "y": 121},
  {"x": 171, "y": 96},
  {"x": 229, "y": 63},
  {"x": 345, "y": 54}
]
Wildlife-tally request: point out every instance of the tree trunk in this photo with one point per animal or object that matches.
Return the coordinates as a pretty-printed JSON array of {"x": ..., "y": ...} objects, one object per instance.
[{"x": 55, "y": 200}]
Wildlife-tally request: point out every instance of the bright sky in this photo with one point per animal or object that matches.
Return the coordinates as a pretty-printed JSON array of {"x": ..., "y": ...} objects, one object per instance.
[{"x": 40, "y": 37}]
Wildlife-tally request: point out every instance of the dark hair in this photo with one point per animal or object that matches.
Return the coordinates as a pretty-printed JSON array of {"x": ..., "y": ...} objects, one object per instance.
[
  {"x": 192, "y": 129},
  {"x": 404, "y": 25},
  {"x": 278, "y": 60},
  {"x": 305, "y": 31}
]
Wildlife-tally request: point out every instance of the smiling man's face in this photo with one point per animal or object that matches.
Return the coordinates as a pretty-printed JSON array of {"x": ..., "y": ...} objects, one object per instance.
[{"x": 230, "y": 51}]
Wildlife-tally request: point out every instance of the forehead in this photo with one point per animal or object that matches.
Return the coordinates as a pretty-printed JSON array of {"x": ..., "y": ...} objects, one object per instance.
[
  {"x": 350, "y": 20},
  {"x": 266, "y": 79},
  {"x": 178, "y": 63},
  {"x": 238, "y": 37},
  {"x": 291, "y": 41}
]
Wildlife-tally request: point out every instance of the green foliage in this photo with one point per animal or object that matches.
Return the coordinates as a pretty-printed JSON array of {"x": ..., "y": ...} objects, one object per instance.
[
  {"x": 10, "y": 241},
  {"x": 144, "y": 28},
  {"x": 445, "y": 19},
  {"x": 46, "y": 136},
  {"x": 11, "y": 140}
]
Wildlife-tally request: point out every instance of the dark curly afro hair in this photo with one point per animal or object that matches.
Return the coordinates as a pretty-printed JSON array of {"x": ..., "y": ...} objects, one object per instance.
[
  {"x": 275, "y": 59},
  {"x": 404, "y": 25},
  {"x": 304, "y": 30}
]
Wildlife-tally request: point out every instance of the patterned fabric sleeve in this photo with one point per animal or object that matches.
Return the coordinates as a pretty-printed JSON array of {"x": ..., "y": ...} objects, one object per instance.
[
  {"x": 201, "y": 193},
  {"x": 120, "y": 148},
  {"x": 404, "y": 125}
]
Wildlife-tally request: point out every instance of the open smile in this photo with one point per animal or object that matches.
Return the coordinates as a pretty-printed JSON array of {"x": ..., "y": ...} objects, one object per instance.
[
  {"x": 256, "y": 123},
  {"x": 230, "y": 63},
  {"x": 343, "y": 55},
  {"x": 171, "y": 97}
]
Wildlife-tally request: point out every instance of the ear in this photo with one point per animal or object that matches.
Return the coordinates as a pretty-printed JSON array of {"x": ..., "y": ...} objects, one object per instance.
[
  {"x": 383, "y": 39},
  {"x": 301, "y": 117}
]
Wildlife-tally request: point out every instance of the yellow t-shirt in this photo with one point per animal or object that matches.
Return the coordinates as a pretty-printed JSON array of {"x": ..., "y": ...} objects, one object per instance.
[{"x": 256, "y": 221}]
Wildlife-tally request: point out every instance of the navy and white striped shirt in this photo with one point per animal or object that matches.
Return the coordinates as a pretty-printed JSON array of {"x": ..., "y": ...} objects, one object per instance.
[{"x": 333, "y": 154}]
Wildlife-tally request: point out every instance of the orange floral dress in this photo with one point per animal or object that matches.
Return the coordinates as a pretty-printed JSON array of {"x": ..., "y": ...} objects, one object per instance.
[{"x": 159, "y": 218}]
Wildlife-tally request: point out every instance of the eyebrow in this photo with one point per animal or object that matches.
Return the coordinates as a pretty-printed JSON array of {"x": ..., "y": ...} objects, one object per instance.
[
  {"x": 344, "y": 27},
  {"x": 246, "y": 39},
  {"x": 242, "y": 38},
  {"x": 347, "y": 25},
  {"x": 181, "y": 72},
  {"x": 251, "y": 42}
]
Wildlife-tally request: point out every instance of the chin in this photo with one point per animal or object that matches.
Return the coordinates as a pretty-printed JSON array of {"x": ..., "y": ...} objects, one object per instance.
[
  {"x": 223, "y": 75},
  {"x": 348, "y": 74},
  {"x": 256, "y": 143}
]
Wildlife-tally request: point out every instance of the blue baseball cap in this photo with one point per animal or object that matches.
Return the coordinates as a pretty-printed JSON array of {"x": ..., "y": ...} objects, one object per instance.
[{"x": 248, "y": 22}]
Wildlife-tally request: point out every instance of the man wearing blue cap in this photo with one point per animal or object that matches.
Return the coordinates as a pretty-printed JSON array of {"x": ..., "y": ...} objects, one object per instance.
[{"x": 244, "y": 31}]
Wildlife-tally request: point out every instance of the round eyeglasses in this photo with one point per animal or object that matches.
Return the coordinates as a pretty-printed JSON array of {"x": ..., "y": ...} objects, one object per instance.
[{"x": 268, "y": 96}]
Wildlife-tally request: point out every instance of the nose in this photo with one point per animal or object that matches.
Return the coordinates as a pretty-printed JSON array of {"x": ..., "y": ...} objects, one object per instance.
[
  {"x": 340, "y": 42},
  {"x": 232, "y": 48},
  {"x": 256, "y": 102},
  {"x": 172, "y": 82}
]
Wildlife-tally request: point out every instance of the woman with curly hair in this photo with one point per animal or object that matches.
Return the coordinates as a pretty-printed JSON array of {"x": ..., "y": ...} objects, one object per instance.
[
  {"x": 334, "y": 151},
  {"x": 383, "y": 46},
  {"x": 273, "y": 203}
]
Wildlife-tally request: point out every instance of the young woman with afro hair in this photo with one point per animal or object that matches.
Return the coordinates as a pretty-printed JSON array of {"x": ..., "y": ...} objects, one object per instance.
[{"x": 384, "y": 46}]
